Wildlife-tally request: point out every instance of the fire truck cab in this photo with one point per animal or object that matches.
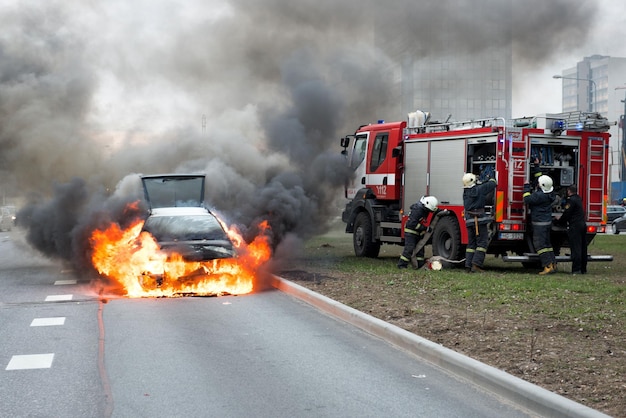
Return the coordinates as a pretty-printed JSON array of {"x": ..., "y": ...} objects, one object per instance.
[{"x": 396, "y": 163}]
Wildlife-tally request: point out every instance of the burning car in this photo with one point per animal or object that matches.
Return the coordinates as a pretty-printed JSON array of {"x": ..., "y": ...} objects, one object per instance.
[
  {"x": 179, "y": 221},
  {"x": 181, "y": 248},
  {"x": 184, "y": 230}
]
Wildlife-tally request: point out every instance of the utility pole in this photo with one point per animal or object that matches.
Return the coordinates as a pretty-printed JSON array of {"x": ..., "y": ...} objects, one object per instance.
[
  {"x": 622, "y": 147},
  {"x": 591, "y": 92}
]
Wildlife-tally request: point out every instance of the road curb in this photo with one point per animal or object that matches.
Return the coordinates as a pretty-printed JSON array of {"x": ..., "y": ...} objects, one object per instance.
[{"x": 520, "y": 392}]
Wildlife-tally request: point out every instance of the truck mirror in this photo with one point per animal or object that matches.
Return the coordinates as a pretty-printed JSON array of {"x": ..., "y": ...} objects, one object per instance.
[{"x": 345, "y": 141}]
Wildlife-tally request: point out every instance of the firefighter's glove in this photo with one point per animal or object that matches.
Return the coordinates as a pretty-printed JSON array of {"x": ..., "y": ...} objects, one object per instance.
[{"x": 527, "y": 188}]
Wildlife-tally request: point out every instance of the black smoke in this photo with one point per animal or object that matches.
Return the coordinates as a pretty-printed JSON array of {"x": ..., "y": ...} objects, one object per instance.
[{"x": 253, "y": 93}]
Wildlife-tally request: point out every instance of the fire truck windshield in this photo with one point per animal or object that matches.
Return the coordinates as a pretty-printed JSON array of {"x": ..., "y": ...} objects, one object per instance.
[{"x": 358, "y": 154}]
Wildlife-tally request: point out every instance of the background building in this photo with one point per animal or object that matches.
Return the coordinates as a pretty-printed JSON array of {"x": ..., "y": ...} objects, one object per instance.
[
  {"x": 446, "y": 71},
  {"x": 598, "y": 84}
]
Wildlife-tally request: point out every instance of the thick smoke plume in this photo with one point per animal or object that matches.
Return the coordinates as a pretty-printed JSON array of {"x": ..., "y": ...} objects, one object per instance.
[{"x": 253, "y": 93}]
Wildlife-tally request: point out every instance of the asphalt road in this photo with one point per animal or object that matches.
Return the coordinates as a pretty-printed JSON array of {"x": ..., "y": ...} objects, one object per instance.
[{"x": 66, "y": 353}]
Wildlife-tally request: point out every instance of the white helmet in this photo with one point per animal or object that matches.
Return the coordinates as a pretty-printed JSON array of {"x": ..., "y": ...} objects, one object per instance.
[
  {"x": 430, "y": 202},
  {"x": 545, "y": 182},
  {"x": 469, "y": 180}
]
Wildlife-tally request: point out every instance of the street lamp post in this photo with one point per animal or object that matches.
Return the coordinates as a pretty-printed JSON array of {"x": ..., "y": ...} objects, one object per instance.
[
  {"x": 622, "y": 147},
  {"x": 592, "y": 87}
]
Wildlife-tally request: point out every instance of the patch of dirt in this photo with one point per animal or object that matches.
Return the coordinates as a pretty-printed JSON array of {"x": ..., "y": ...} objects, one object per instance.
[{"x": 585, "y": 365}]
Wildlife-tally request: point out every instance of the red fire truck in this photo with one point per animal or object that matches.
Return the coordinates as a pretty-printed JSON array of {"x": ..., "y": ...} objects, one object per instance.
[{"x": 398, "y": 162}]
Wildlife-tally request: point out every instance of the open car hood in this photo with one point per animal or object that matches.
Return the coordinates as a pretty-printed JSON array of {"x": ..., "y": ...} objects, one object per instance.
[{"x": 171, "y": 190}]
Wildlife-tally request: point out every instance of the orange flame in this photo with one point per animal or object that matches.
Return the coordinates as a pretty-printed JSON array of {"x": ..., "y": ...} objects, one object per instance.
[{"x": 126, "y": 255}]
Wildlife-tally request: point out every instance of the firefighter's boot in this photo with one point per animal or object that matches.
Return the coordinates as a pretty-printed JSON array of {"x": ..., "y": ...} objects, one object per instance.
[
  {"x": 549, "y": 269},
  {"x": 476, "y": 269},
  {"x": 402, "y": 264}
]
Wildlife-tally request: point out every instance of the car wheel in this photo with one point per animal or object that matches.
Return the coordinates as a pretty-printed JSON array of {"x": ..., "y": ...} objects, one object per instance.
[
  {"x": 447, "y": 239},
  {"x": 362, "y": 237}
]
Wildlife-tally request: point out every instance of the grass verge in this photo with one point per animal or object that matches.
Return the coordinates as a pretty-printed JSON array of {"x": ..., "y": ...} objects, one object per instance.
[{"x": 565, "y": 333}]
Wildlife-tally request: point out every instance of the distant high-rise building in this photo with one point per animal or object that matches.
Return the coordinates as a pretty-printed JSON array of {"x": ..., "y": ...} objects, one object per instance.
[
  {"x": 598, "y": 84},
  {"x": 446, "y": 73}
]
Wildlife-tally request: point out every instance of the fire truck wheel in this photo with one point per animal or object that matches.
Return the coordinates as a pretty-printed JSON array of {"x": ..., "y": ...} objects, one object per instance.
[
  {"x": 362, "y": 237},
  {"x": 447, "y": 239}
]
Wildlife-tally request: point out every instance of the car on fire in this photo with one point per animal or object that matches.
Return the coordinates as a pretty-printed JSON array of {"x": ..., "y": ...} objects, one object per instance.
[
  {"x": 194, "y": 233},
  {"x": 180, "y": 223}
]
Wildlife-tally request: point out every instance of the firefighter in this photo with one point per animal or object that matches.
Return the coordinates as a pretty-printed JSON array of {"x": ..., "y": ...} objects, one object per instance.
[
  {"x": 574, "y": 218},
  {"x": 415, "y": 228},
  {"x": 540, "y": 205},
  {"x": 476, "y": 220}
]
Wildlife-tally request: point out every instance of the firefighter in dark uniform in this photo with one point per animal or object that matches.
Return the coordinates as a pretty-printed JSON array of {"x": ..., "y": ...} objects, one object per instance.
[
  {"x": 574, "y": 217},
  {"x": 540, "y": 205},
  {"x": 476, "y": 221},
  {"x": 415, "y": 228}
]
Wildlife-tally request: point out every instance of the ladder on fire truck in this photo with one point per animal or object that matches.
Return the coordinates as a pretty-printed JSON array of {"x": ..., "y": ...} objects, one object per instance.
[
  {"x": 596, "y": 175},
  {"x": 584, "y": 121},
  {"x": 576, "y": 120},
  {"x": 428, "y": 126},
  {"x": 519, "y": 154}
]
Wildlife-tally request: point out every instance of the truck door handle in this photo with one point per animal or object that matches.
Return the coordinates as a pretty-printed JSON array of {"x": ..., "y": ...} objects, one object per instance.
[
  {"x": 362, "y": 180},
  {"x": 385, "y": 181}
]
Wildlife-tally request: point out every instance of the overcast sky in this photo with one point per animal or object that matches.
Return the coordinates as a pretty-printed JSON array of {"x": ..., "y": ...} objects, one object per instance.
[
  {"x": 96, "y": 77},
  {"x": 537, "y": 92},
  {"x": 157, "y": 64}
]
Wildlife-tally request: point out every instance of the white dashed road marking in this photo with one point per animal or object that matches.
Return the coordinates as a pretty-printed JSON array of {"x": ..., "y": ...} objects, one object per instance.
[
  {"x": 64, "y": 282},
  {"x": 31, "y": 361},
  {"x": 41, "y": 361},
  {"x": 58, "y": 298},
  {"x": 44, "y": 322}
]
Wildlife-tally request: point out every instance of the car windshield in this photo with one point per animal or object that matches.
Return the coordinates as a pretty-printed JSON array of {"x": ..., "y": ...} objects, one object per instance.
[{"x": 185, "y": 228}]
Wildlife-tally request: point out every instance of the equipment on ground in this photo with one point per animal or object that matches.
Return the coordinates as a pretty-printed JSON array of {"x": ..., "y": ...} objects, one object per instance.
[{"x": 437, "y": 262}]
